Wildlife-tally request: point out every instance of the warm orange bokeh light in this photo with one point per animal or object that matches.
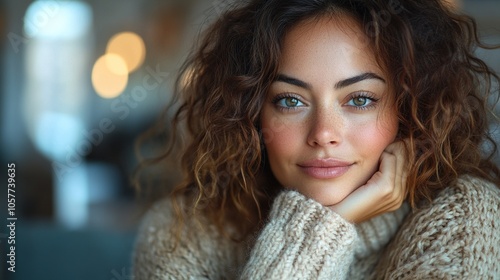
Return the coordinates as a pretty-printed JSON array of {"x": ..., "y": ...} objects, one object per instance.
[
  {"x": 109, "y": 75},
  {"x": 130, "y": 47}
]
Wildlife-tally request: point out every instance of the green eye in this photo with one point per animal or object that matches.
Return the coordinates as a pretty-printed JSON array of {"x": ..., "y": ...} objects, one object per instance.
[
  {"x": 288, "y": 102},
  {"x": 362, "y": 102},
  {"x": 359, "y": 101},
  {"x": 291, "y": 102}
]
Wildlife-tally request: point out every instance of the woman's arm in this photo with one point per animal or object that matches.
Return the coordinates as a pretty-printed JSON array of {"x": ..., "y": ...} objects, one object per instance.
[{"x": 302, "y": 240}]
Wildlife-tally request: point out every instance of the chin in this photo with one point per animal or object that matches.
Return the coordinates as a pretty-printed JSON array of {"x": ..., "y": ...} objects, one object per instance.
[{"x": 328, "y": 196}]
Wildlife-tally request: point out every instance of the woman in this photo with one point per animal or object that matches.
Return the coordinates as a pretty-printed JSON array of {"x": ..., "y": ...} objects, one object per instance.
[{"x": 331, "y": 140}]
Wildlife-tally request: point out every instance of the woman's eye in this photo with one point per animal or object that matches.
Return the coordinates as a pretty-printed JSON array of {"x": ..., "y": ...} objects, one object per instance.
[
  {"x": 289, "y": 102},
  {"x": 361, "y": 101}
]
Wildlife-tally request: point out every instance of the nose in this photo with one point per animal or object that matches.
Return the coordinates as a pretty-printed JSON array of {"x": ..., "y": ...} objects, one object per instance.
[{"x": 325, "y": 128}]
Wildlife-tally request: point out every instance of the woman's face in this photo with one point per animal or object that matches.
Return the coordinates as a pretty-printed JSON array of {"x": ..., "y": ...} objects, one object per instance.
[{"x": 329, "y": 115}]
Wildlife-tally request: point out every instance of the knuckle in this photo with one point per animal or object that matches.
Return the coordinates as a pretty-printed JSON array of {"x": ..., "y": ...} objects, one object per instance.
[
  {"x": 389, "y": 155},
  {"x": 386, "y": 190},
  {"x": 394, "y": 208}
]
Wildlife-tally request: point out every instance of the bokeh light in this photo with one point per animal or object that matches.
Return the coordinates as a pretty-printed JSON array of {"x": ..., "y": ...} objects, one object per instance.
[
  {"x": 130, "y": 47},
  {"x": 110, "y": 75}
]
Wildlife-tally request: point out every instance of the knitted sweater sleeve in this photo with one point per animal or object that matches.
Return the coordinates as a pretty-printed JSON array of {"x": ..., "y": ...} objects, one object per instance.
[
  {"x": 302, "y": 240},
  {"x": 457, "y": 236},
  {"x": 195, "y": 252}
]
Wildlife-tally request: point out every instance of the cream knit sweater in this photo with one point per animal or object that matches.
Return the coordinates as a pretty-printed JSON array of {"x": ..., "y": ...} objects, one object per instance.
[{"x": 457, "y": 236}]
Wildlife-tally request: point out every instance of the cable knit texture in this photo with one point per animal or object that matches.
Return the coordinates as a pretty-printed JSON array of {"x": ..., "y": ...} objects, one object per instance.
[{"x": 456, "y": 236}]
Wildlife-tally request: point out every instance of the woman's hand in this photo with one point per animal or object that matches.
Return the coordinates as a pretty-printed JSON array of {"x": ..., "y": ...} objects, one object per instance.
[{"x": 384, "y": 192}]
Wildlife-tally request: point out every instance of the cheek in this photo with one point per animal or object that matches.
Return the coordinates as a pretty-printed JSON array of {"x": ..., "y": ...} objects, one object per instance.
[
  {"x": 280, "y": 138},
  {"x": 372, "y": 138}
]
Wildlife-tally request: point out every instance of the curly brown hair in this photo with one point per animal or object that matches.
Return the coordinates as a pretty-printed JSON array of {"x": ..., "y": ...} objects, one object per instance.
[{"x": 441, "y": 92}]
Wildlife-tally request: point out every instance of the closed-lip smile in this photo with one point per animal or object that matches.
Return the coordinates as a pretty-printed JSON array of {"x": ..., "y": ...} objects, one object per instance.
[{"x": 328, "y": 168}]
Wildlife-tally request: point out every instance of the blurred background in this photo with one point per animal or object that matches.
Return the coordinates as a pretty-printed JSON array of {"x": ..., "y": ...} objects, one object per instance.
[{"x": 79, "y": 81}]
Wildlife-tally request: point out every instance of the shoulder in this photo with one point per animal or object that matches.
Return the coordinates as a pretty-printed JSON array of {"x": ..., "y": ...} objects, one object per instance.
[
  {"x": 469, "y": 205},
  {"x": 158, "y": 215},
  {"x": 165, "y": 251},
  {"x": 471, "y": 192},
  {"x": 470, "y": 201},
  {"x": 152, "y": 247},
  {"x": 454, "y": 236}
]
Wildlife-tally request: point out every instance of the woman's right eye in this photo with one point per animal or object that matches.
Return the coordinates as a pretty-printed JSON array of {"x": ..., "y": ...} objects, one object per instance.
[{"x": 287, "y": 102}]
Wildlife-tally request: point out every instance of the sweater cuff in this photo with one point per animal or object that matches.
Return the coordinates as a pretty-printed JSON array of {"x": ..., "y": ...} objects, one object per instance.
[
  {"x": 299, "y": 214},
  {"x": 305, "y": 220},
  {"x": 302, "y": 240}
]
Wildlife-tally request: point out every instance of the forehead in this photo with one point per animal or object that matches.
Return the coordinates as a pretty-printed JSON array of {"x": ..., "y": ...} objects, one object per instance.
[{"x": 328, "y": 42}]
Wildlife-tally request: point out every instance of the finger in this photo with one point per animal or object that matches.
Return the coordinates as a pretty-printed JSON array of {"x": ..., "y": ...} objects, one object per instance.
[
  {"x": 403, "y": 164},
  {"x": 388, "y": 168},
  {"x": 393, "y": 162},
  {"x": 406, "y": 166},
  {"x": 400, "y": 167},
  {"x": 399, "y": 150},
  {"x": 394, "y": 147}
]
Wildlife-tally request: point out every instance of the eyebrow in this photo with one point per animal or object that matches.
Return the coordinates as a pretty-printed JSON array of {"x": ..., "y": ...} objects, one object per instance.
[
  {"x": 358, "y": 78},
  {"x": 341, "y": 84}
]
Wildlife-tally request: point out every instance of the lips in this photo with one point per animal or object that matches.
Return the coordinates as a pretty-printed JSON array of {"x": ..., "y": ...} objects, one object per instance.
[{"x": 325, "y": 168}]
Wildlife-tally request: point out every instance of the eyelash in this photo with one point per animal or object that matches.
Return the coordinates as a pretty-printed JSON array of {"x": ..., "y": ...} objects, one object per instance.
[
  {"x": 282, "y": 96},
  {"x": 367, "y": 95}
]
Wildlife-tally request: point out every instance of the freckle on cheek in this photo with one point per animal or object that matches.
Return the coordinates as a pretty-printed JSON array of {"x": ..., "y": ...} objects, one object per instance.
[{"x": 376, "y": 136}]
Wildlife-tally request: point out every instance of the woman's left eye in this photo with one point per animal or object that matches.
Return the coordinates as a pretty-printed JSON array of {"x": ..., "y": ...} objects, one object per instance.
[{"x": 361, "y": 101}]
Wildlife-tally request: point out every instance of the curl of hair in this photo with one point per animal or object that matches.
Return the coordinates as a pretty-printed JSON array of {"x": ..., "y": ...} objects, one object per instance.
[{"x": 441, "y": 91}]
